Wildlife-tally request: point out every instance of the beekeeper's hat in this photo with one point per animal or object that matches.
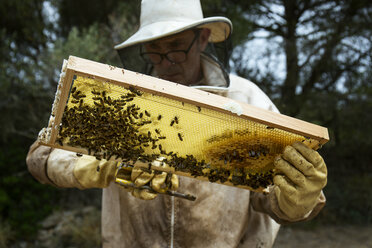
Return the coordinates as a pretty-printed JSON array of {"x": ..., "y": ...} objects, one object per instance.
[{"x": 161, "y": 18}]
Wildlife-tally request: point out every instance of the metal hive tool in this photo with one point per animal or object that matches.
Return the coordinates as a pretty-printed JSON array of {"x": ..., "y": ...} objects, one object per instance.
[{"x": 116, "y": 114}]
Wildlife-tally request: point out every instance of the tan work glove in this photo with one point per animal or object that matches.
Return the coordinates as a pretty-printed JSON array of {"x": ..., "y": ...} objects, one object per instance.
[
  {"x": 302, "y": 174},
  {"x": 93, "y": 173},
  {"x": 158, "y": 181}
]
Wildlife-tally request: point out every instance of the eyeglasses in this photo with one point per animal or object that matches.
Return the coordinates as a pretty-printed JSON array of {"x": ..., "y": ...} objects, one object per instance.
[{"x": 175, "y": 56}]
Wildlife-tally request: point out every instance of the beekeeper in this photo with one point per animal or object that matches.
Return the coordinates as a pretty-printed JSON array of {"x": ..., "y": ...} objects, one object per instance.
[{"x": 172, "y": 40}]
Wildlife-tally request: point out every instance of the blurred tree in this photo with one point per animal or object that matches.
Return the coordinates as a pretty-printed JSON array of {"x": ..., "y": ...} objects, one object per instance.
[
  {"x": 313, "y": 58},
  {"x": 23, "y": 39},
  {"x": 23, "y": 103},
  {"x": 317, "y": 43},
  {"x": 22, "y": 26},
  {"x": 82, "y": 14},
  {"x": 32, "y": 52}
]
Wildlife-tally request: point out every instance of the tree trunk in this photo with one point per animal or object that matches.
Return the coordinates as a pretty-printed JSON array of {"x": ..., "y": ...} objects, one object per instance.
[{"x": 288, "y": 89}]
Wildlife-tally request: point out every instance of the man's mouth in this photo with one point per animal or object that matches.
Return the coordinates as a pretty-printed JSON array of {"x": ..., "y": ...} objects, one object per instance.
[{"x": 169, "y": 76}]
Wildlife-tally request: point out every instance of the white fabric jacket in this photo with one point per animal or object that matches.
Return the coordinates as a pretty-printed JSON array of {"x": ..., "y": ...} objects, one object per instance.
[{"x": 222, "y": 216}]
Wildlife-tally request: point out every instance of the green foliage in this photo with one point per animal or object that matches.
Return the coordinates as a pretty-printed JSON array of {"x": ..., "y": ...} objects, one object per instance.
[
  {"x": 85, "y": 13},
  {"x": 92, "y": 43},
  {"x": 24, "y": 202},
  {"x": 6, "y": 234},
  {"x": 23, "y": 23},
  {"x": 24, "y": 103},
  {"x": 29, "y": 73}
]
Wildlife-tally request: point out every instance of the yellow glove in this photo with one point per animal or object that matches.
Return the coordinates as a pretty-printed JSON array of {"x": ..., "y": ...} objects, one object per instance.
[
  {"x": 158, "y": 181},
  {"x": 302, "y": 174},
  {"x": 93, "y": 173}
]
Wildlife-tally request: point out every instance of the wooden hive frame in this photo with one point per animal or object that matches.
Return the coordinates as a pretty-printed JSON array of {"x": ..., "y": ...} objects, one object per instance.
[{"x": 316, "y": 135}]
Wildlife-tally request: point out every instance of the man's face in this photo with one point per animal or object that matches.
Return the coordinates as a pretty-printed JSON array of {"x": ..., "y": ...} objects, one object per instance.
[{"x": 187, "y": 72}]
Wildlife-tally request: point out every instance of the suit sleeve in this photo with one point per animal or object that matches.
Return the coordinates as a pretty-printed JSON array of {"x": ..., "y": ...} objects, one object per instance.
[{"x": 65, "y": 169}]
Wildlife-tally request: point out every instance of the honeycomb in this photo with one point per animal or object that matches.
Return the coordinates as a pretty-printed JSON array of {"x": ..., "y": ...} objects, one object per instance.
[
  {"x": 114, "y": 122},
  {"x": 119, "y": 115}
]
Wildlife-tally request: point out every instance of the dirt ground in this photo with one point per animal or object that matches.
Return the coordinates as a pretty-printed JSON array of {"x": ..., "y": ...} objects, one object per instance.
[{"x": 325, "y": 237}]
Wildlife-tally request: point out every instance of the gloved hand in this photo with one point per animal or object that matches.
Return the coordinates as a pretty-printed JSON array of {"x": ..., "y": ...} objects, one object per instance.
[
  {"x": 301, "y": 176},
  {"x": 93, "y": 173},
  {"x": 158, "y": 181}
]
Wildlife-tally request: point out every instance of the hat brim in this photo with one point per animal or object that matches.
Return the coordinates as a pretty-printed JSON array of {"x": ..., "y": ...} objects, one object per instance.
[{"x": 220, "y": 27}]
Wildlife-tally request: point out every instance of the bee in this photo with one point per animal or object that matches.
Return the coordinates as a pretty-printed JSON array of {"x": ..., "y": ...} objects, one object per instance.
[
  {"x": 77, "y": 95},
  {"x": 157, "y": 131},
  {"x": 147, "y": 113},
  {"x": 95, "y": 92},
  {"x": 133, "y": 90},
  {"x": 98, "y": 168},
  {"x": 175, "y": 120},
  {"x": 269, "y": 127},
  {"x": 109, "y": 101},
  {"x": 180, "y": 136},
  {"x": 73, "y": 90},
  {"x": 79, "y": 154},
  {"x": 199, "y": 108},
  {"x": 159, "y": 117}
]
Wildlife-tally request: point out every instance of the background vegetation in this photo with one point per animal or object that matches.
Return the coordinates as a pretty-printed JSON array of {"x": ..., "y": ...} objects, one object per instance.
[{"x": 312, "y": 57}]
